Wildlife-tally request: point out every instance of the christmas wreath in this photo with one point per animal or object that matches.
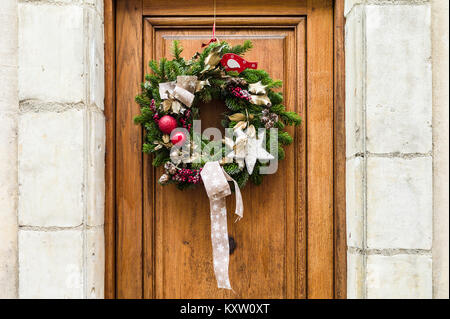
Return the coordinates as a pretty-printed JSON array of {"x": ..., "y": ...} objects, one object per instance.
[{"x": 172, "y": 97}]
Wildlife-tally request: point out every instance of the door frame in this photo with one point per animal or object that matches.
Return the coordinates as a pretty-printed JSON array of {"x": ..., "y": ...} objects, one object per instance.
[{"x": 339, "y": 192}]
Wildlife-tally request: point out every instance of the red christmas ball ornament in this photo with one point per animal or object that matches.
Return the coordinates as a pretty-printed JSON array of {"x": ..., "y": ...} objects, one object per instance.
[
  {"x": 178, "y": 138},
  {"x": 167, "y": 124}
]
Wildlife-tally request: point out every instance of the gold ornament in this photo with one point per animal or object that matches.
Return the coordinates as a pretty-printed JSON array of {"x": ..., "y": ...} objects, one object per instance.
[{"x": 164, "y": 179}]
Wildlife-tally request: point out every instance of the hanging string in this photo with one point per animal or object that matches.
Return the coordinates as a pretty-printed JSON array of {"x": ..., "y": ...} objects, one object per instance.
[{"x": 213, "y": 38}]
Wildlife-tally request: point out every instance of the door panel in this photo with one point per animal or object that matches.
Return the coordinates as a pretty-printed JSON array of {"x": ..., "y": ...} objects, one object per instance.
[
  {"x": 264, "y": 264},
  {"x": 285, "y": 242}
]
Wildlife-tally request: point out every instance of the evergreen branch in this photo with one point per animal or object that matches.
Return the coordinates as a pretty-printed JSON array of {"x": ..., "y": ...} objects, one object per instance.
[
  {"x": 291, "y": 118},
  {"x": 176, "y": 50}
]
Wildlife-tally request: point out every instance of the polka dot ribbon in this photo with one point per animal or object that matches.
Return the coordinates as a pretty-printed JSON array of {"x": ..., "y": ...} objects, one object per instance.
[{"x": 217, "y": 188}]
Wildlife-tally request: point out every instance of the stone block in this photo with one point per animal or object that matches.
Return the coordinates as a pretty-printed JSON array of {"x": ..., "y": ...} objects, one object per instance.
[
  {"x": 8, "y": 205},
  {"x": 399, "y": 277},
  {"x": 355, "y": 276},
  {"x": 349, "y": 5},
  {"x": 51, "y": 264},
  {"x": 51, "y": 52},
  {"x": 95, "y": 263},
  {"x": 51, "y": 168},
  {"x": 398, "y": 79},
  {"x": 355, "y": 201},
  {"x": 399, "y": 203},
  {"x": 8, "y": 93},
  {"x": 354, "y": 82},
  {"x": 96, "y": 60},
  {"x": 96, "y": 170}
]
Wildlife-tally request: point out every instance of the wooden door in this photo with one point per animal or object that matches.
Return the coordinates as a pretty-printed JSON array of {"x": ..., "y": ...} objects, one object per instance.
[{"x": 285, "y": 242}]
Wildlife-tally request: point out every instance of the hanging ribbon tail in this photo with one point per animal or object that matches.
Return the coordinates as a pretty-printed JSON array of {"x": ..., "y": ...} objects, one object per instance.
[
  {"x": 239, "y": 211},
  {"x": 217, "y": 188}
]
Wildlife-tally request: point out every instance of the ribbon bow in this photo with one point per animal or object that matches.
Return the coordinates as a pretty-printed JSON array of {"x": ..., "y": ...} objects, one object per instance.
[
  {"x": 182, "y": 89},
  {"x": 217, "y": 188},
  {"x": 213, "y": 38}
]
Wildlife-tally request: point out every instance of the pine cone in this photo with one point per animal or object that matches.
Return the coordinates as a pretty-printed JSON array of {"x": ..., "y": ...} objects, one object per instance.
[
  {"x": 235, "y": 82},
  {"x": 269, "y": 124},
  {"x": 170, "y": 168},
  {"x": 265, "y": 119},
  {"x": 164, "y": 179},
  {"x": 274, "y": 117}
]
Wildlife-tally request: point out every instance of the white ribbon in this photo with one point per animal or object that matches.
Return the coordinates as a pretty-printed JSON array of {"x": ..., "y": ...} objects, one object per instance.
[{"x": 216, "y": 184}]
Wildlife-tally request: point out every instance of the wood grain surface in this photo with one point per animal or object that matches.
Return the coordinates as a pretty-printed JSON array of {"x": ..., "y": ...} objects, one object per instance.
[
  {"x": 340, "y": 235},
  {"x": 264, "y": 262},
  {"x": 128, "y": 150},
  {"x": 291, "y": 242}
]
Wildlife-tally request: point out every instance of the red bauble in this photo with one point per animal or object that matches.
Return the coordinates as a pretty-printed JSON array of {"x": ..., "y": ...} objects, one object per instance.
[
  {"x": 167, "y": 124},
  {"x": 178, "y": 138}
]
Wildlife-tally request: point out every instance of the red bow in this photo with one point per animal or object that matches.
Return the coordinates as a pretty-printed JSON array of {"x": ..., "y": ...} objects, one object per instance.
[{"x": 213, "y": 39}]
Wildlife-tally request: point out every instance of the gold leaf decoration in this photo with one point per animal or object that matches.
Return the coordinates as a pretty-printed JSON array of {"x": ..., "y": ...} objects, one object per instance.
[
  {"x": 260, "y": 100},
  {"x": 167, "y": 105},
  {"x": 166, "y": 138},
  {"x": 240, "y": 125},
  {"x": 237, "y": 117}
]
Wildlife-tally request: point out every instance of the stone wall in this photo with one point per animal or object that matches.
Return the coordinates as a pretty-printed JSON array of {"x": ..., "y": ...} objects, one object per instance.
[
  {"x": 52, "y": 141},
  {"x": 439, "y": 23},
  {"x": 9, "y": 106},
  {"x": 61, "y": 144},
  {"x": 389, "y": 149}
]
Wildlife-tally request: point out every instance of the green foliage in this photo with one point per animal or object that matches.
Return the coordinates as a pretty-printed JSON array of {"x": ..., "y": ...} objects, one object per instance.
[
  {"x": 161, "y": 157},
  {"x": 242, "y": 178},
  {"x": 176, "y": 50},
  {"x": 256, "y": 177},
  {"x": 281, "y": 153},
  {"x": 142, "y": 100},
  {"x": 154, "y": 66},
  {"x": 284, "y": 138},
  {"x": 239, "y": 49},
  {"x": 277, "y": 108},
  {"x": 234, "y": 104},
  {"x": 232, "y": 168},
  {"x": 291, "y": 118},
  {"x": 275, "y": 97},
  {"x": 253, "y": 76},
  {"x": 147, "y": 148},
  {"x": 152, "y": 130},
  {"x": 275, "y": 84}
]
